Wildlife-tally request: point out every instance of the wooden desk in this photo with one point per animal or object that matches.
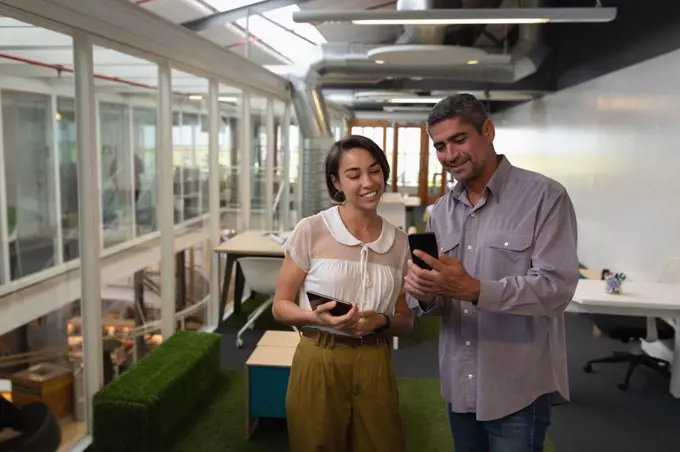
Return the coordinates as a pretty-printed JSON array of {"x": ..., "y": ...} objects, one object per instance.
[
  {"x": 267, "y": 374},
  {"x": 639, "y": 299},
  {"x": 246, "y": 244},
  {"x": 273, "y": 338}
]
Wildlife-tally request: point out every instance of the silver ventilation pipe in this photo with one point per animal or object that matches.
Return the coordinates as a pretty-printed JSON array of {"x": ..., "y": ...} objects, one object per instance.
[
  {"x": 420, "y": 34},
  {"x": 312, "y": 114},
  {"x": 352, "y": 59},
  {"x": 525, "y": 58},
  {"x": 317, "y": 138}
]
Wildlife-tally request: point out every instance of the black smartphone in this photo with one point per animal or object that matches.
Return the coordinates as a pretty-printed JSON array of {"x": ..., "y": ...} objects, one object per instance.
[
  {"x": 426, "y": 242},
  {"x": 340, "y": 308}
]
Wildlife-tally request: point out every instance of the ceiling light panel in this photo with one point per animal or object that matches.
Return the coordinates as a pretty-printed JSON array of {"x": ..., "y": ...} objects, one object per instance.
[{"x": 468, "y": 16}]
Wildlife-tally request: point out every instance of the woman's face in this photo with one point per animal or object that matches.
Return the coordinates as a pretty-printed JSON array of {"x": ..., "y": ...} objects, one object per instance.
[{"x": 360, "y": 178}]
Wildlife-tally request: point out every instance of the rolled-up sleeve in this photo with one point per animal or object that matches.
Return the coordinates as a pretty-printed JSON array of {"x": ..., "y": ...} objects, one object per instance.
[
  {"x": 551, "y": 282},
  {"x": 299, "y": 245},
  {"x": 420, "y": 309}
]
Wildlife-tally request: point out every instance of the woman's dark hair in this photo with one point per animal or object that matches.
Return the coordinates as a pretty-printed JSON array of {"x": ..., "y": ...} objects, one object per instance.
[{"x": 335, "y": 155}]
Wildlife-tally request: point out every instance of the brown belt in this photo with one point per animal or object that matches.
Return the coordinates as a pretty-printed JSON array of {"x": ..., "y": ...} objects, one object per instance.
[{"x": 369, "y": 339}]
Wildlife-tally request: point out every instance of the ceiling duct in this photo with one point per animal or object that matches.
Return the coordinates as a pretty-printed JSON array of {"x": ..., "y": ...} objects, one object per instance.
[
  {"x": 421, "y": 34},
  {"x": 345, "y": 61}
]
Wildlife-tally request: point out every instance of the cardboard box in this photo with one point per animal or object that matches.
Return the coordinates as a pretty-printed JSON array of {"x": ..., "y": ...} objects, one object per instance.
[{"x": 48, "y": 383}]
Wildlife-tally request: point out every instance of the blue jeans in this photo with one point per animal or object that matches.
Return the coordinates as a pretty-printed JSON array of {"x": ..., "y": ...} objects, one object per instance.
[{"x": 523, "y": 431}]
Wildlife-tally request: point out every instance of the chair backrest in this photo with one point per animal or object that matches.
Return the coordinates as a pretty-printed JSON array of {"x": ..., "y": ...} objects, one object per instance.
[
  {"x": 261, "y": 273},
  {"x": 671, "y": 271}
]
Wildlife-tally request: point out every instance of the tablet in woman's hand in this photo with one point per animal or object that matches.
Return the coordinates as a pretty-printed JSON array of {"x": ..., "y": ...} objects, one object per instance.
[{"x": 340, "y": 308}]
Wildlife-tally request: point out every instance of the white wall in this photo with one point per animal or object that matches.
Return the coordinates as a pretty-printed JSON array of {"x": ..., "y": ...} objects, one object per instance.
[{"x": 613, "y": 142}]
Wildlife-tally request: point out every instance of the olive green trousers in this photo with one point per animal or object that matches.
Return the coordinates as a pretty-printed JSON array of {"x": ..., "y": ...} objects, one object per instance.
[{"x": 343, "y": 398}]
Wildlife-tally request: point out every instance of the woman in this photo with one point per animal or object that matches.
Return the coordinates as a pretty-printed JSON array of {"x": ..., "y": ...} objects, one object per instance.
[{"x": 342, "y": 393}]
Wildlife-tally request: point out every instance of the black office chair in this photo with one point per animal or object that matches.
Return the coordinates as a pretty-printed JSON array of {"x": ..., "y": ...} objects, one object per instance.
[
  {"x": 37, "y": 428},
  {"x": 631, "y": 330}
]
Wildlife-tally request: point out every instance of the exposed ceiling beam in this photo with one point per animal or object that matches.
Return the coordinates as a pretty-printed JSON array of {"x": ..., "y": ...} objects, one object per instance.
[{"x": 232, "y": 15}]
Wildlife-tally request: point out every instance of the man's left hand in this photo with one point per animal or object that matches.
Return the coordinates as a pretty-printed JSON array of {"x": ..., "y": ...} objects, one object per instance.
[
  {"x": 368, "y": 322},
  {"x": 448, "y": 277}
]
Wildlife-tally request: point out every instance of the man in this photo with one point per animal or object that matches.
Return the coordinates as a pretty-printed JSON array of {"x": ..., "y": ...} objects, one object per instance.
[
  {"x": 506, "y": 271},
  {"x": 138, "y": 171}
]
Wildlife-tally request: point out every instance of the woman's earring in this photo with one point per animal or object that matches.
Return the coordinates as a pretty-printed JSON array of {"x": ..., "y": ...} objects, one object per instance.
[{"x": 342, "y": 197}]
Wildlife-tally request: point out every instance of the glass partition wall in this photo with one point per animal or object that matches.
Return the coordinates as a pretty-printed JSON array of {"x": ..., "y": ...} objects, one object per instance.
[
  {"x": 259, "y": 142},
  {"x": 230, "y": 100},
  {"x": 84, "y": 198}
]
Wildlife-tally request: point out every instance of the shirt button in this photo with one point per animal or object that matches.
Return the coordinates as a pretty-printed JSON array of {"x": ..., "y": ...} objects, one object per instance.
[
  {"x": 472, "y": 214},
  {"x": 465, "y": 311},
  {"x": 470, "y": 376},
  {"x": 506, "y": 244},
  {"x": 467, "y": 343},
  {"x": 469, "y": 247}
]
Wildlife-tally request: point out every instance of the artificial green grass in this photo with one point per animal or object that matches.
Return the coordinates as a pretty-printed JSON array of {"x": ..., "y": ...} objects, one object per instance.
[
  {"x": 157, "y": 395},
  {"x": 221, "y": 426}
]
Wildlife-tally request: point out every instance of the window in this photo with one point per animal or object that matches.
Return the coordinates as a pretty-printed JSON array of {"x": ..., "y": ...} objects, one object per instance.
[
  {"x": 276, "y": 29},
  {"x": 228, "y": 5},
  {"x": 284, "y": 18},
  {"x": 30, "y": 184},
  {"x": 127, "y": 145},
  {"x": 258, "y": 160}
]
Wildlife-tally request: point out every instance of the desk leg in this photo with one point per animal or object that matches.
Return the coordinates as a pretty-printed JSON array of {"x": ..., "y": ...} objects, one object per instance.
[
  {"x": 239, "y": 284},
  {"x": 675, "y": 372},
  {"x": 226, "y": 280}
]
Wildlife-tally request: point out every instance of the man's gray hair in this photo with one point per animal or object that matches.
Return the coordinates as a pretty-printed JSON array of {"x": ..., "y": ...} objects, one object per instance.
[{"x": 463, "y": 106}]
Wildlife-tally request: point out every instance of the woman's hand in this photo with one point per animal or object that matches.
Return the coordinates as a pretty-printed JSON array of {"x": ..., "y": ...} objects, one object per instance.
[
  {"x": 368, "y": 322},
  {"x": 341, "y": 322}
]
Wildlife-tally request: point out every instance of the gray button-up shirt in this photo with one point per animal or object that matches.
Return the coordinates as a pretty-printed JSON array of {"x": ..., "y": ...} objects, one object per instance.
[{"x": 498, "y": 355}]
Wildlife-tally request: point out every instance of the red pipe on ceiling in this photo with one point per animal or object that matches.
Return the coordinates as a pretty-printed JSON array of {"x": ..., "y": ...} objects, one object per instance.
[
  {"x": 242, "y": 43},
  {"x": 61, "y": 68}
]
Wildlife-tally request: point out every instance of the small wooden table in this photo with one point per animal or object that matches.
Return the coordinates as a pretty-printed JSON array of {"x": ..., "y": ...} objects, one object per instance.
[
  {"x": 273, "y": 338},
  {"x": 267, "y": 374}
]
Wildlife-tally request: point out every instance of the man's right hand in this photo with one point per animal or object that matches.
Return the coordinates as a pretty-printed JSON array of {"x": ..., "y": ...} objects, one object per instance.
[
  {"x": 416, "y": 286},
  {"x": 341, "y": 322}
]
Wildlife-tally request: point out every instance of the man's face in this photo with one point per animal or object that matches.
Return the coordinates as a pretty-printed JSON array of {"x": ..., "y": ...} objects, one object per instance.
[{"x": 461, "y": 149}]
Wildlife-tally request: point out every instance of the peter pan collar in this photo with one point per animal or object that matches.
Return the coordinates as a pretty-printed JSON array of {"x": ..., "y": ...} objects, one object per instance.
[{"x": 342, "y": 235}]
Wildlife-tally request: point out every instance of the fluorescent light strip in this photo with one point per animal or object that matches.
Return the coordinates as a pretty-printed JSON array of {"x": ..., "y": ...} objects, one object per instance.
[
  {"x": 465, "y": 16},
  {"x": 482, "y": 21},
  {"x": 415, "y": 100}
]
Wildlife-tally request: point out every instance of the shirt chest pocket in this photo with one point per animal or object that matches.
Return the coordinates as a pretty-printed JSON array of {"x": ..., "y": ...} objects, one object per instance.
[
  {"x": 509, "y": 251},
  {"x": 449, "y": 244}
]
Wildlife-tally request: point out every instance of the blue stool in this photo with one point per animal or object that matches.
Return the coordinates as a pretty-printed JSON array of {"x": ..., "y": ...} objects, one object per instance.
[{"x": 267, "y": 373}]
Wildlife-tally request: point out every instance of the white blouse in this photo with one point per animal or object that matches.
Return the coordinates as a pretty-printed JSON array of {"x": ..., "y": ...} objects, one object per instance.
[{"x": 341, "y": 266}]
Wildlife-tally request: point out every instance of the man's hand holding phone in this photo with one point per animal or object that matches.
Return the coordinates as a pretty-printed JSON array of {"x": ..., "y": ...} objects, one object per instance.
[
  {"x": 447, "y": 277},
  {"x": 343, "y": 322}
]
